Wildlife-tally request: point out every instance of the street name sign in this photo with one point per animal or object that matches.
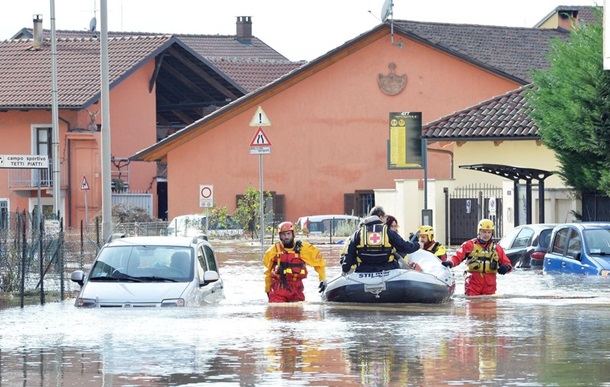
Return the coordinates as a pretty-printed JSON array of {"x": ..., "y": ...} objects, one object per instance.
[{"x": 24, "y": 161}]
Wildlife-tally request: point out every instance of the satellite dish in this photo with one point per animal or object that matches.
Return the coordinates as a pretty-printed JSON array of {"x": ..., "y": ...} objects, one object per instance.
[
  {"x": 386, "y": 10},
  {"x": 92, "y": 24}
]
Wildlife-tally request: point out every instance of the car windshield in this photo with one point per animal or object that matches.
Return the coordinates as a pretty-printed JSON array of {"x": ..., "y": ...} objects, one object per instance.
[
  {"x": 597, "y": 241},
  {"x": 143, "y": 264}
]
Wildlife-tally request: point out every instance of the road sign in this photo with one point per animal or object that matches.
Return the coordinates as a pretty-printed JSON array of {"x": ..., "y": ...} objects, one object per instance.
[
  {"x": 84, "y": 186},
  {"x": 206, "y": 195},
  {"x": 24, "y": 161},
  {"x": 260, "y": 139},
  {"x": 260, "y": 118},
  {"x": 260, "y": 150}
]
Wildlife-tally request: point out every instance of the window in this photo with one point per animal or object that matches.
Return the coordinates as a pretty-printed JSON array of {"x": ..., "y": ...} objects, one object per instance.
[
  {"x": 43, "y": 147},
  {"x": 211, "y": 261},
  {"x": 559, "y": 244},
  {"x": 574, "y": 244},
  {"x": 524, "y": 238},
  {"x": 4, "y": 214}
]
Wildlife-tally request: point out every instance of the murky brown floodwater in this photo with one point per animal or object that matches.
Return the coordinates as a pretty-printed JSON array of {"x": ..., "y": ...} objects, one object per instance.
[{"x": 539, "y": 331}]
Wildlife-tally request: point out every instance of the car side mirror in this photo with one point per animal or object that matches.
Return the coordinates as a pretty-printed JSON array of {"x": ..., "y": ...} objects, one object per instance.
[
  {"x": 578, "y": 256},
  {"x": 209, "y": 277},
  {"x": 78, "y": 276}
]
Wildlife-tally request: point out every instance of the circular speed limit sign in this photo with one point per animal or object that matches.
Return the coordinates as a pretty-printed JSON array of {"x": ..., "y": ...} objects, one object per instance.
[{"x": 206, "y": 196}]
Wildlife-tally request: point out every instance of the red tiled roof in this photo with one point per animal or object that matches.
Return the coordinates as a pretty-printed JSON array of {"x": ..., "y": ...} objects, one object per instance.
[
  {"x": 252, "y": 73},
  {"x": 252, "y": 64},
  {"x": 509, "y": 50},
  {"x": 25, "y": 73},
  {"x": 501, "y": 117}
]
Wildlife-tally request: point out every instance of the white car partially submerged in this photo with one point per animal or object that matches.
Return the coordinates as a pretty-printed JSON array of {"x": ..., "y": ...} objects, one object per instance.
[{"x": 151, "y": 271}]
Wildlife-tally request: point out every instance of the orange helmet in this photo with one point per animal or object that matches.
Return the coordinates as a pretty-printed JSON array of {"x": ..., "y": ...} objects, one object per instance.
[
  {"x": 285, "y": 226},
  {"x": 485, "y": 224}
]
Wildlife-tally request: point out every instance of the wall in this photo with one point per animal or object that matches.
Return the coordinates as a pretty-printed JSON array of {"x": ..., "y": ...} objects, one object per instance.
[{"x": 329, "y": 132}]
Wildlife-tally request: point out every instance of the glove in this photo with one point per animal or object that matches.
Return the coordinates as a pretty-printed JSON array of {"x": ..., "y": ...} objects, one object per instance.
[
  {"x": 503, "y": 269},
  {"x": 322, "y": 286},
  {"x": 448, "y": 264}
]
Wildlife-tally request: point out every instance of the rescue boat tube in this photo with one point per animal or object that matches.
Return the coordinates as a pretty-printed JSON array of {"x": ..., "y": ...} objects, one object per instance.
[{"x": 433, "y": 285}]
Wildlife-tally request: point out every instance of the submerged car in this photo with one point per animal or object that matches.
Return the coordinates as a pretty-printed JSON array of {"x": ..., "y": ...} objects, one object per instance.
[
  {"x": 195, "y": 224},
  {"x": 527, "y": 244},
  {"x": 579, "y": 248},
  {"x": 326, "y": 224},
  {"x": 151, "y": 271}
]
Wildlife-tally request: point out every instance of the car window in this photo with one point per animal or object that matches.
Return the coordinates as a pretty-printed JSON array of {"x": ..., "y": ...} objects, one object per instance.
[
  {"x": 545, "y": 238},
  {"x": 210, "y": 260},
  {"x": 574, "y": 244},
  {"x": 523, "y": 238},
  {"x": 507, "y": 241},
  {"x": 559, "y": 243},
  {"x": 597, "y": 241},
  {"x": 201, "y": 263}
]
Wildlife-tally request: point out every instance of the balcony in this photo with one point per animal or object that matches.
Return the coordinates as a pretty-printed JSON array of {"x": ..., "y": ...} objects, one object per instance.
[{"x": 27, "y": 179}]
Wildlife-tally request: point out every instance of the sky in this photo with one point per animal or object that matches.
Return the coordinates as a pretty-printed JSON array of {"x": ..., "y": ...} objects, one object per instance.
[{"x": 299, "y": 30}]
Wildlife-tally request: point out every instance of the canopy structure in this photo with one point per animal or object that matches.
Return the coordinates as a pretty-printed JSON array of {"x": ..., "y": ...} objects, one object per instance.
[{"x": 517, "y": 174}]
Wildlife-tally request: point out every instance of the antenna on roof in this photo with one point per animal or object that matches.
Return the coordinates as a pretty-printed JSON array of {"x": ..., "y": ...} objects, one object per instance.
[
  {"x": 93, "y": 22},
  {"x": 387, "y": 11}
]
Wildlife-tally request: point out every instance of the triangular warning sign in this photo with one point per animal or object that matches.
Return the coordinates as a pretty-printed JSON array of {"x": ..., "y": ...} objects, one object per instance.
[
  {"x": 260, "y": 118},
  {"x": 260, "y": 139},
  {"x": 84, "y": 185}
]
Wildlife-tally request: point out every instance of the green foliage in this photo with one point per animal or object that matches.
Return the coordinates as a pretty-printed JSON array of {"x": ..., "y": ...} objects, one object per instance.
[
  {"x": 248, "y": 210},
  {"x": 571, "y": 107}
]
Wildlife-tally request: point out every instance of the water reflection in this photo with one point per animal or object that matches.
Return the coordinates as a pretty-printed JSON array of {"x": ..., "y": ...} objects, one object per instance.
[{"x": 538, "y": 330}]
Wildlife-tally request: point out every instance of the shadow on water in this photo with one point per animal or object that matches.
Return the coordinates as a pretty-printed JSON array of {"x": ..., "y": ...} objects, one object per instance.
[{"x": 538, "y": 330}]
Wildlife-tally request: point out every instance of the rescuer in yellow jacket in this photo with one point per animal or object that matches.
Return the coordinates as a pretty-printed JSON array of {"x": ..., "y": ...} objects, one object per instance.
[{"x": 286, "y": 266}]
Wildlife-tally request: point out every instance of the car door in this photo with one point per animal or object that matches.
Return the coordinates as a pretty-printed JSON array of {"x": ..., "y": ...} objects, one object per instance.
[
  {"x": 518, "y": 247},
  {"x": 553, "y": 260},
  {"x": 213, "y": 291},
  {"x": 572, "y": 259}
]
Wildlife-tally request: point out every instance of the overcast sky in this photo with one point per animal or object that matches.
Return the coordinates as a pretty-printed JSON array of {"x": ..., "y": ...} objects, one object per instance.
[{"x": 300, "y": 30}]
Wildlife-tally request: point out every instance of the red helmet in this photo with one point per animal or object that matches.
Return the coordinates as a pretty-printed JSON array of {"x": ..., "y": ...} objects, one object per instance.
[{"x": 285, "y": 226}]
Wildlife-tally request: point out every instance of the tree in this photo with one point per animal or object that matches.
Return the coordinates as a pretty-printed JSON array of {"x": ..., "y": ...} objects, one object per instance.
[
  {"x": 248, "y": 210},
  {"x": 570, "y": 104}
]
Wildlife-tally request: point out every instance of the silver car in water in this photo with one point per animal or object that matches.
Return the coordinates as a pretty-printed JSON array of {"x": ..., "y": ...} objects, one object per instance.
[{"x": 151, "y": 271}]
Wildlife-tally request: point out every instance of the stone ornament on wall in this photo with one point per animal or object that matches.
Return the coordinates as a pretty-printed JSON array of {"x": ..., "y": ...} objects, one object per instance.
[{"x": 392, "y": 84}]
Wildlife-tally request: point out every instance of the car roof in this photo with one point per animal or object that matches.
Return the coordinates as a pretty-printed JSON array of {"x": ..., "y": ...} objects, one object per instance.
[
  {"x": 588, "y": 225},
  {"x": 317, "y": 218},
  {"x": 155, "y": 241}
]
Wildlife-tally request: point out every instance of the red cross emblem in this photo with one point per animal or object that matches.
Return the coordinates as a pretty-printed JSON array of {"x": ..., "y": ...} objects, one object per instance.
[{"x": 374, "y": 238}]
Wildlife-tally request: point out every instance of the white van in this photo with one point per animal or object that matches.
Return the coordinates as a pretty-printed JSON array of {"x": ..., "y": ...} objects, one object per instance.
[{"x": 324, "y": 224}]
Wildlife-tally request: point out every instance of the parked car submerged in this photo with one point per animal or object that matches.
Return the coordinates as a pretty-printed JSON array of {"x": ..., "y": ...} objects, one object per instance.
[
  {"x": 323, "y": 224},
  {"x": 527, "y": 244},
  {"x": 579, "y": 248},
  {"x": 195, "y": 224},
  {"x": 151, "y": 271}
]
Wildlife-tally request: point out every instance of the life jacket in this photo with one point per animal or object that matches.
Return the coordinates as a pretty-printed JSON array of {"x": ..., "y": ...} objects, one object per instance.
[
  {"x": 432, "y": 247},
  {"x": 374, "y": 246},
  {"x": 481, "y": 260},
  {"x": 288, "y": 265}
]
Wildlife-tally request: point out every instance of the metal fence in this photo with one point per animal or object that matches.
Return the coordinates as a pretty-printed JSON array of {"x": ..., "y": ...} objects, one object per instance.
[{"x": 31, "y": 250}]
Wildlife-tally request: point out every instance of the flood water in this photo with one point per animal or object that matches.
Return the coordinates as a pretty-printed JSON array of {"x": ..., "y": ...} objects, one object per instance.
[{"x": 539, "y": 330}]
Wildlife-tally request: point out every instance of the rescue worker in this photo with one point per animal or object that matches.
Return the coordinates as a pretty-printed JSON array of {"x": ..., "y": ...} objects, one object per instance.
[
  {"x": 426, "y": 236},
  {"x": 484, "y": 258},
  {"x": 285, "y": 266},
  {"x": 372, "y": 247}
]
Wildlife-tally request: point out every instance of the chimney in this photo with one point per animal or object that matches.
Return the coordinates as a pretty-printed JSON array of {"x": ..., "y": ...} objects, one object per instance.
[
  {"x": 37, "y": 39},
  {"x": 244, "y": 28}
]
